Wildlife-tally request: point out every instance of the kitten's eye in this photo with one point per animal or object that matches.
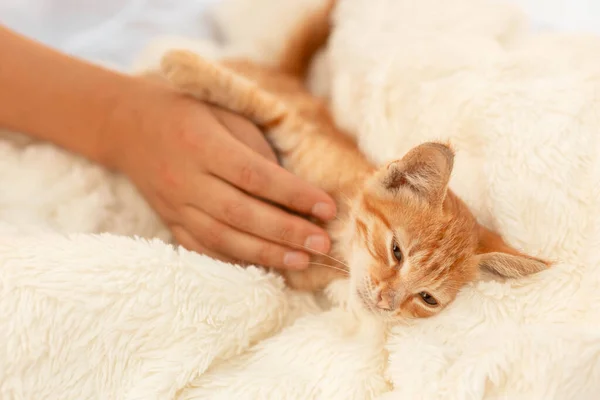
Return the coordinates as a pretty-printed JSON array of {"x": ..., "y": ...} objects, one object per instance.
[
  {"x": 429, "y": 299},
  {"x": 397, "y": 252}
]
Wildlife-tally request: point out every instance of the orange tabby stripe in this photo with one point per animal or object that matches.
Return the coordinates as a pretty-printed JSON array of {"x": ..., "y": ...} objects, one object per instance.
[
  {"x": 370, "y": 208},
  {"x": 363, "y": 231}
]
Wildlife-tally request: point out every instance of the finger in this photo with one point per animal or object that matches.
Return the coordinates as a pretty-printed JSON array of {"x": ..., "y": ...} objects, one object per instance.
[
  {"x": 185, "y": 239},
  {"x": 246, "y": 132},
  {"x": 245, "y": 213},
  {"x": 252, "y": 173},
  {"x": 223, "y": 239}
]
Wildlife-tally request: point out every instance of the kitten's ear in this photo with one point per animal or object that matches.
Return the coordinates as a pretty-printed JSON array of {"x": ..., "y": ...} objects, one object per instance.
[
  {"x": 501, "y": 259},
  {"x": 511, "y": 266},
  {"x": 425, "y": 170}
]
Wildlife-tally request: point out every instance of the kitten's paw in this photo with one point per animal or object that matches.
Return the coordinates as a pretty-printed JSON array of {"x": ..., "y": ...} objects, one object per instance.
[
  {"x": 150, "y": 57},
  {"x": 190, "y": 72},
  {"x": 177, "y": 62}
]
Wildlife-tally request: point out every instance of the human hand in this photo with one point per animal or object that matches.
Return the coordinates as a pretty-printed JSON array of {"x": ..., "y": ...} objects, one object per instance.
[{"x": 215, "y": 181}]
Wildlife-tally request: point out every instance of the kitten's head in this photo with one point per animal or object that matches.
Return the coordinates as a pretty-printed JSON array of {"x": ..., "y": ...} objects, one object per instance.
[{"x": 413, "y": 245}]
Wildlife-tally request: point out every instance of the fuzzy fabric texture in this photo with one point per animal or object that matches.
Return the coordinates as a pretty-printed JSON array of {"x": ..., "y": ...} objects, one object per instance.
[{"x": 105, "y": 316}]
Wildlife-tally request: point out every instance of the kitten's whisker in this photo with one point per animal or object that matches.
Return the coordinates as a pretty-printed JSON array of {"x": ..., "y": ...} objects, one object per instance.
[
  {"x": 313, "y": 251},
  {"x": 325, "y": 265},
  {"x": 330, "y": 266}
]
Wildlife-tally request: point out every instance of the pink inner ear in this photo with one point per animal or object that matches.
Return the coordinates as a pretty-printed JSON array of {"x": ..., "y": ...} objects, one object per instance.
[
  {"x": 418, "y": 176},
  {"x": 425, "y": 170},
  {"x": 396, "y": 178}
]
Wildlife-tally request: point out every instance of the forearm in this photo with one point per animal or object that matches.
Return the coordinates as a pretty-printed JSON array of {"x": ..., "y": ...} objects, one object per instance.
[{"x": 60, "y": 99}]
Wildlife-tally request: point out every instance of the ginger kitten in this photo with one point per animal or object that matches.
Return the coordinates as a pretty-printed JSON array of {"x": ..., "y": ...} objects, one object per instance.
[{"x": 408, "y": 243}]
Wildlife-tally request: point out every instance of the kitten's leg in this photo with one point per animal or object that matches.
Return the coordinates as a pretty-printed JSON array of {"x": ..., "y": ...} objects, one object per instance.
[{"x": 219, "y": 85}]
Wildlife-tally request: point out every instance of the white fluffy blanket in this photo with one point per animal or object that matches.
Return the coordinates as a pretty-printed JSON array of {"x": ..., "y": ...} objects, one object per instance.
[{"x": 105, "y": 316}]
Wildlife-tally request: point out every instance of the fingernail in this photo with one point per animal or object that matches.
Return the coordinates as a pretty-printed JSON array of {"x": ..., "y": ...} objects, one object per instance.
[
  {"x": 323, "y": 211},
  {"x": 296, "y": 260},
  {"x": 316, "y": 243}
]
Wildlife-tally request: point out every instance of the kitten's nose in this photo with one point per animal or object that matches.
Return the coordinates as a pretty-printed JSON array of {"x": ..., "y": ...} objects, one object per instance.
[{"x": 383, "y": 301}]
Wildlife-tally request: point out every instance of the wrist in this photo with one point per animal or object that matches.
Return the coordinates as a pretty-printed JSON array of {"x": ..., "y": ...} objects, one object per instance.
[{"x": 136, "y": 110}]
